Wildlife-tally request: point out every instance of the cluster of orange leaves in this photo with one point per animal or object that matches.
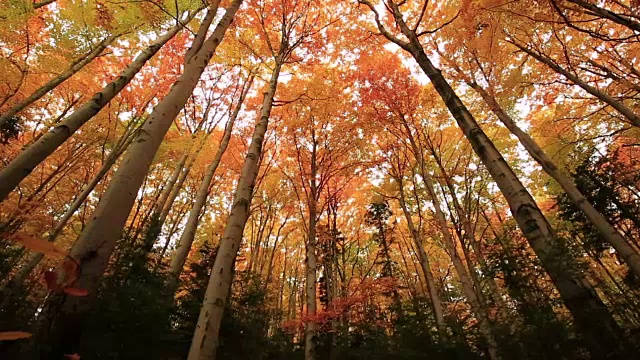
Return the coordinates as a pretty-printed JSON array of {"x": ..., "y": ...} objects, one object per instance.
[{"x": 339, "y": 306}]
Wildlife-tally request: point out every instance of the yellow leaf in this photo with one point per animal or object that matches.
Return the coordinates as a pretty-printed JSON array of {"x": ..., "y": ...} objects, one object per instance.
[{"x": 42, "y": 246}]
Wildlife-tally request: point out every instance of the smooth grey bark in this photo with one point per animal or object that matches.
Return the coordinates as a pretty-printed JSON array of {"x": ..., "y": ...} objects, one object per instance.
[
  {"x": 197, "y": 42},
  {"x": 205, "y": 338},
  {"x": 97, "y": 242},
  {"x": 88, "y": 188}
]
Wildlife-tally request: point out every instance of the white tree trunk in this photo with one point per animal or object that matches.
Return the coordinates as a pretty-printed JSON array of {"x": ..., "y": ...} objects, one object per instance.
[
  {"x": 95, "y": 245},
  {"x": 205, "y": 337},
  {"x": 189, "y": 232}
]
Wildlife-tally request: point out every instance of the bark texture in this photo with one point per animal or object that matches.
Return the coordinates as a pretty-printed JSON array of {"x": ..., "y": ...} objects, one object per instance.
[
  {"x": 310, "y": 326},
  {"x": 205, "y": 337},
  {"x": 597, "y": 325},
  {"x": 95, "y": 245},
  {"x": 608, "y": 232}
]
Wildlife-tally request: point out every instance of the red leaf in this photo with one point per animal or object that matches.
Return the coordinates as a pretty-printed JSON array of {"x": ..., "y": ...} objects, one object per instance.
[
  {"x": 51, "y": 278},
  {"x": 72, "y": 356},
  {"x": 42, "y": 246},
  {"x": 70, "y": 267},
  {"x": 76, "y": 291},
  {"x": 14, "y": 335}
]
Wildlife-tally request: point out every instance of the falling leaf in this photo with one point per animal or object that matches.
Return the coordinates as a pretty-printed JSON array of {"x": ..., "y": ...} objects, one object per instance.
[
  {"x": 42, "y": 246},
  {"x": 70, "y": 267},
  {"x": 76, "y": 291},
  {"x": 14, "y": 335},
  {"x": 51, "y": 279}
]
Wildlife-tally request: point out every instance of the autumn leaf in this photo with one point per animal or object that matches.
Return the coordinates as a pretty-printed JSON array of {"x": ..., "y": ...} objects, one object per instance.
[
  {"x": 14, "y": 335},
  {"x": 42, "y": 246},
  {"x": 70, "y": 267},
  {"x": 75, "y": 291},
  {"x": 51, "y": 279},
  {"x": 72, "y": 356}
]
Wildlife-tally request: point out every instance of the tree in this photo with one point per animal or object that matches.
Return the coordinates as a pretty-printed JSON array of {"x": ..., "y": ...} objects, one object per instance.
[
  {"x": 577, "y": 294},
  {"x": 33, "y": 155},
  {"x": 307, "y": 189},
  {"x": 95, "y": 245},
  {"x": 188, "y": 234}
]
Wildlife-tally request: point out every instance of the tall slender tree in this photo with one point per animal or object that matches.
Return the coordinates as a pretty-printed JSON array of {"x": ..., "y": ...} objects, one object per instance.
[
  {"x": 591, "y": 315},
  {"x": 95, "y": 245}
]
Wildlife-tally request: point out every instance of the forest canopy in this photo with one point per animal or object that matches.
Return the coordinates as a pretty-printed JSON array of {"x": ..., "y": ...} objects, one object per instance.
[{"x": 304, "y": 179}]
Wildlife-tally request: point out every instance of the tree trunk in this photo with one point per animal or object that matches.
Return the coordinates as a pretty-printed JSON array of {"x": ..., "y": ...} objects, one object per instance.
[
  {"x": 198, "y": 41},
  {"x": 475, "y": 298},
  {"x": 98, "y": 240},
  {"x": 205, "y": 337},
  {"x": 173, "y": 192},
  {"x": 436, "y": 303},
  {"x": 311, "y": 261},
  {"x": 274, "y": 251},
  {"x": 603, "y": 335},
  {"x": 76, "y": 66},
  {"x": 88, "y": 188},
  {"x": 591, "y": 315},
  {"x": 35, "y": 258},
  {"x": 171, "y": 183},
  {"x": 43, "y": 3},
  {"x": 36, "y": 153},
  {"x": 190, "y": 227},
  {"x": 470, "y": 238},
  {"x": 608, "y": 232},
  {"x": 477, "y": 303}
]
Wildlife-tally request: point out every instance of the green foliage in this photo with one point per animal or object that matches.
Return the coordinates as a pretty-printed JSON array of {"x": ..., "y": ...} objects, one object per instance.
[
  {"x": 411, "y": 336},
  {"x": 541, "y": 333},
  {"x": 599, "y": 180},
  {"x": 377, "y": 215},
  {"x": 10, "y": 130}
]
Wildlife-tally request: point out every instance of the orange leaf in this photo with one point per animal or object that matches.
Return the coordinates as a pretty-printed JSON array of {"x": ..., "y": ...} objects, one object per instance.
[
  {"x": 70, "y": 267},
  {"x": 76, "y": 291},
  {"x": 14, "y": 335},
  {"x": 72, "y": 356},
  {"x": 42, "y": 246}
]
